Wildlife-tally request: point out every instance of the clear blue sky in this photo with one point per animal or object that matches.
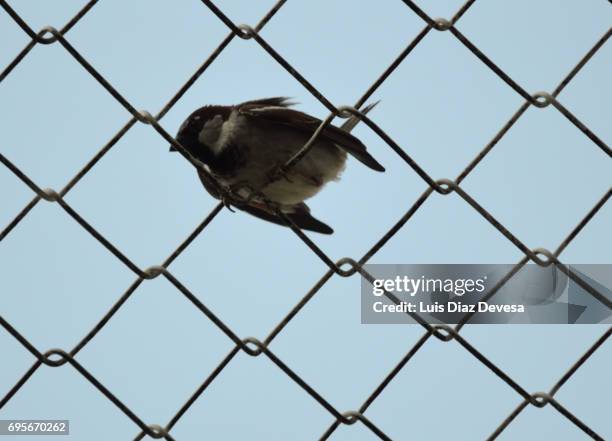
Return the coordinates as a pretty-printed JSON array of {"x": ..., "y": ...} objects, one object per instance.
[{"x": 442, "y": 105}]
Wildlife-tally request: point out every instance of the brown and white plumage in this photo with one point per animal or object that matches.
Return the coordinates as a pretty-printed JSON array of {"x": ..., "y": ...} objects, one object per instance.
[{"x": 242, "y": 144}]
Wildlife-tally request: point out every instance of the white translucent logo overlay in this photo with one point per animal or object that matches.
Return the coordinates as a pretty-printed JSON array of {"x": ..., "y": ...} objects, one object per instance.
[{"x": 486, "y": 294}]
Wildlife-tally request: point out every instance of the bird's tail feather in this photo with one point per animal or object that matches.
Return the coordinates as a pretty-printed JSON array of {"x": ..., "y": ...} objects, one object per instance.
[{"x": 350, "y": 123}]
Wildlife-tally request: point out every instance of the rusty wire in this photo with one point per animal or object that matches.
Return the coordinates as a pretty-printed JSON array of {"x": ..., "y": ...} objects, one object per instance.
[{"x": 344, "y": 267}]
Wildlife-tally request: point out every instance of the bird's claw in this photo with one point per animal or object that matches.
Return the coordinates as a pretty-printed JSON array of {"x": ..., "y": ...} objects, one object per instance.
[{"x": 225, "y": 200}]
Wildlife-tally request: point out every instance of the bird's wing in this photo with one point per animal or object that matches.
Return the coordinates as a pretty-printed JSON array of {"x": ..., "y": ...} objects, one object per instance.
[
  {"x": 277, "y": 101},
  {"x": 294, "y": 119},
  {"x": 298, "y": 213}
]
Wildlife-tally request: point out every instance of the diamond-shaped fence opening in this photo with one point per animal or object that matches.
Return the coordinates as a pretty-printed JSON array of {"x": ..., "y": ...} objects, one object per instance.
[{"x": 345, "y": 267}]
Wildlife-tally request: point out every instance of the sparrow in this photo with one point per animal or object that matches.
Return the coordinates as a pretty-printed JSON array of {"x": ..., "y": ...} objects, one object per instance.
[{"x": 241, "y": 145}]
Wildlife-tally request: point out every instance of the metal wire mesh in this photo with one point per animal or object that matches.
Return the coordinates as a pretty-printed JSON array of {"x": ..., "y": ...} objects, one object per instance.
[{"x": 345, "y": 267}]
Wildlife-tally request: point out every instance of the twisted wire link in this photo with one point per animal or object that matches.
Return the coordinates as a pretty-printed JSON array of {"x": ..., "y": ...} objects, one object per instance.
[{"x": 344, "y": 267}]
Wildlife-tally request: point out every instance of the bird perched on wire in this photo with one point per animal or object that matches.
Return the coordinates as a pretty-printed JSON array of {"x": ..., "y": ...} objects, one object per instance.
[{"x": 242, "y": 145}]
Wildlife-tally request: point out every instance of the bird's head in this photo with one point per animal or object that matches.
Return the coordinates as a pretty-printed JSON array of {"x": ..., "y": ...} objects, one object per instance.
[{"x": 200, "y": 131}]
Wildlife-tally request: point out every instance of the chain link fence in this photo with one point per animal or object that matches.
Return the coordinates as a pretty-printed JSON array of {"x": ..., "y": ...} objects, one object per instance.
[{"x": 345, "y": 267}]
